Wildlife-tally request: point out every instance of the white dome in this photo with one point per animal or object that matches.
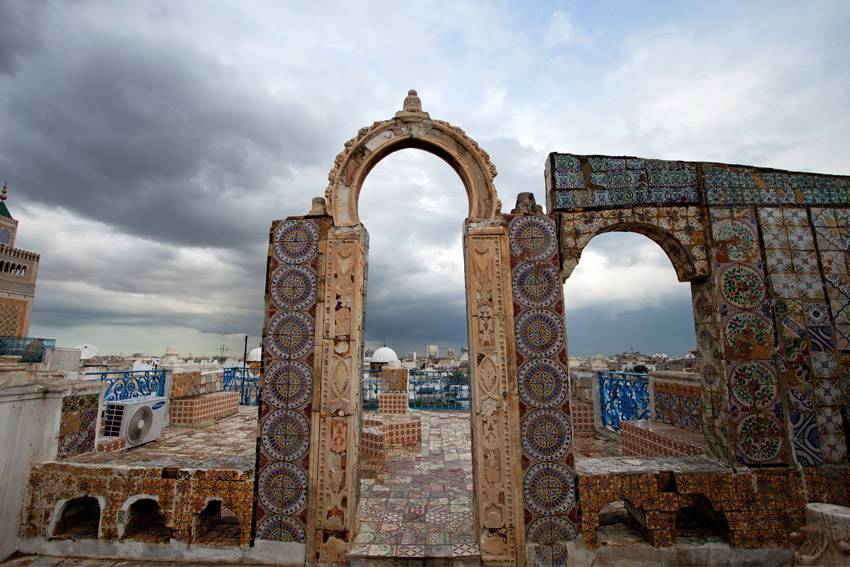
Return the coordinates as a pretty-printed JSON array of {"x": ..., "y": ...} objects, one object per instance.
[
  {"x": 256, "y": 355},
  {"x": 384, "y": 355}
]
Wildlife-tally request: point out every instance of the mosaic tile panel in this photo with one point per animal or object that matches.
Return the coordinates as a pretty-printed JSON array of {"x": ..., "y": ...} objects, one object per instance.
[
  {"x": 287, "y": 381},
  {"x": 829, "y": 334},
  {"x": 796, "y": 287},
  {"x": 576, "y": 181},
  {"x": 678, "y": 404},
  {"x": 599, "y": 181},
  {"x": 737, "y": 185},
  {"x": 77, "y": 425},
  {"x": 546, "y": 432},
  {"x": 748, "y": 339}
]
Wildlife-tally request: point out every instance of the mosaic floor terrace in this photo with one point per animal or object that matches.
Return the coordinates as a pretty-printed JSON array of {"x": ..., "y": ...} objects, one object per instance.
[
  {"x": 227, "y": 444},
  {"x": 417, "y": 503}
]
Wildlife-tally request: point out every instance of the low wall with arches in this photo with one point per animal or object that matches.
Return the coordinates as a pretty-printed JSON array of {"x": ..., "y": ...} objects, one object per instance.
[{"x": 182, "y": 495}]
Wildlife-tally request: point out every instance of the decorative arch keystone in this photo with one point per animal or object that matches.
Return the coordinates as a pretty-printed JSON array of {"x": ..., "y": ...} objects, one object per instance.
[{"x": 410, "y": 128}]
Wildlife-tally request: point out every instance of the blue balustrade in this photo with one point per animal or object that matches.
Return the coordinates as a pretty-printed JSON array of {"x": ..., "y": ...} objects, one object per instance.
[
  {"x": 131, "y": 384},
  {"x": 244, "y": 380},
  {"x": 30, "y": 349},
  {"x": 623, "y": 396}
]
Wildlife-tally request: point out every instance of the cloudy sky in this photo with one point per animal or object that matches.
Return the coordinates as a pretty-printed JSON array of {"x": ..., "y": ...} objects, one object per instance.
[{"x": 148, "y": 146}]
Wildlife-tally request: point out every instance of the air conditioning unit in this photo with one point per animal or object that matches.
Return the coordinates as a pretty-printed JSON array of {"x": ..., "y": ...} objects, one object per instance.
[{"x": 138, "y": 421}]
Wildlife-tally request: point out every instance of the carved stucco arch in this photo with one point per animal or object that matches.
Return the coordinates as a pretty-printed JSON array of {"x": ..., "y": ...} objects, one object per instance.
[
  {"x": 410, "y": 128},
  {"x": 680, "y": 235}
]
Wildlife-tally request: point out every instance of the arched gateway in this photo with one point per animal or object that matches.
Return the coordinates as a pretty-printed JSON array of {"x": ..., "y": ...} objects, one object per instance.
[
  {"x": 307, "y": 473},
  {"x": 766, "y": 252}
]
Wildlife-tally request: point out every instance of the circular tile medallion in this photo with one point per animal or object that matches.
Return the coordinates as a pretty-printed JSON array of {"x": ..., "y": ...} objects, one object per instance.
[
  {"x": 539, "y": 332},
  {"x": 546, "y": 434},
  {"x": 745, "y": 331},
  {"x": 543, "y": 383},
  {"x": 285, "y": 435},
  {"x": 758, "y": 438},
  {"x": 281, "y": 528},
  {"x": 291, "y": 334},
  {"x": 288, "y": 384},
  {"x": 549, "y": 488},
  {"x": 296, "y": 241},
  {"x": 742, "y": 286},
  {"x": 293, "y": 287},
  {"x": 754, "y": 384},
  {"x": 283, "y": 488},
  {"x": 536, "y": 284},
  {"x": 533, "y": 237}
]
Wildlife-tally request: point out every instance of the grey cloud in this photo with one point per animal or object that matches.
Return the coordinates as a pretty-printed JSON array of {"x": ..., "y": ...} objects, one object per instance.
[
  {"x": 152, "y": 136},
  {"x": 20, "y": 33}
]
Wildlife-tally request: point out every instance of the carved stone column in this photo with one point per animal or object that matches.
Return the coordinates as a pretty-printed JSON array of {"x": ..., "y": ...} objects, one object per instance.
[
  {"x": 495, "y": 413},
  {"x": 336, "y": 416}
]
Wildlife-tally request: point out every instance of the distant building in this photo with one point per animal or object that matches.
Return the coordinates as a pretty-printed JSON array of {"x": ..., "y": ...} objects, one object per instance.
[
  {"x": 18, "y": 271},
  {"x": 433, "y": 351}
]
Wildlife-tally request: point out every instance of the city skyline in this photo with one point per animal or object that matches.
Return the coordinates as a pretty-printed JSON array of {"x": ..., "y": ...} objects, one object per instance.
[{"x": 145, "y": 167}]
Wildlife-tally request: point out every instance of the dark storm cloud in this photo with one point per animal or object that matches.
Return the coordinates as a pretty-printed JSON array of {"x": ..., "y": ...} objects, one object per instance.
[
  {"x": 150, "y": 135},
  {"x": 19, "y": 32}
]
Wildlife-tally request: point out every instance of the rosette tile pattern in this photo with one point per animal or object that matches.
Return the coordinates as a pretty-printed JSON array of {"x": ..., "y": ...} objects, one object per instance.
[
  {"x": 748, "y": 339},
  {"x": 546, "y": 433},
  {"x": 287, "y": 382}
]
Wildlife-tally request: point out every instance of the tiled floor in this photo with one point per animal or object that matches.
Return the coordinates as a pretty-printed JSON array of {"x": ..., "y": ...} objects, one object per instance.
[
  {"x": 228, "y": 444},
  {"x": 418, "y": 503},
  {"x": 592, "y": 444}
]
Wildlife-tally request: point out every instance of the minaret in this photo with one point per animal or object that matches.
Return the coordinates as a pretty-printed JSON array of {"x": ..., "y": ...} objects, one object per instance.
[{"x": 18, "y": 271}]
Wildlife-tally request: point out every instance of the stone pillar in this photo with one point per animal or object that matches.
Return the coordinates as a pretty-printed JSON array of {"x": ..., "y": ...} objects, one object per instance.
[
  {"x": 336, "y": 411},
  {"x": 496, "y": 462}
]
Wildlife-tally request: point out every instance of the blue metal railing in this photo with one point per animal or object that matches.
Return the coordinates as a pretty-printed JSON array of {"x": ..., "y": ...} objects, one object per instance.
[
  {"x": 244, "y": 380},
  {"x": 624, "y": 396},
  {"x": 131, "y": 384},
  {"x": 30, "y": 349},
  {"x": 427, "y": 389}
]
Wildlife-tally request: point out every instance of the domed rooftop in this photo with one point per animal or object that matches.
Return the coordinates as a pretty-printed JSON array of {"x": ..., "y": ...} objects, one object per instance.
[
  {"x": 384, "y": 355},
  {"x": 256, "y": 355}
]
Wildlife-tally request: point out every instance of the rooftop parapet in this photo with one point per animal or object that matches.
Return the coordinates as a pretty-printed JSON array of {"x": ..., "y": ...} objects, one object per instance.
[{"x": 595, "y": 181}]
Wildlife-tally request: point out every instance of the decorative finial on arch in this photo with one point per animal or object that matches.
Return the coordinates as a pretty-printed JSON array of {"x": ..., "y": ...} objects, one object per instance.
[
  {"x": 4, "y": 195},
  {"x": 412, "y": 107}
]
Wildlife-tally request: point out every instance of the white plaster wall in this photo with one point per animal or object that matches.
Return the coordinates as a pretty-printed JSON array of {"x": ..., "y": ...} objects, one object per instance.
[{"x": 29, "y": 429}]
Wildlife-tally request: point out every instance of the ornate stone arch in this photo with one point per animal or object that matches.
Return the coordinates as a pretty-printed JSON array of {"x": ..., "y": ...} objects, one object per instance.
[
  {"x": 410, "y": 128},
  {"x": 677, "y": 230}
]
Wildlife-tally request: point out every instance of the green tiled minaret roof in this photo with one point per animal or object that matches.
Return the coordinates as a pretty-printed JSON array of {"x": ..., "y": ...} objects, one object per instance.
[{"x": 4, "y": 211}]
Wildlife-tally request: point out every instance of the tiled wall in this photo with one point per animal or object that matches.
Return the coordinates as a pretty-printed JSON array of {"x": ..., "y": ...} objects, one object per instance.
[
  {"x": 181, "y": 496},
  {"x": 203, "y": 409},
  {"x": 677, "y": 403},
  {"x": 582, "y": 414},
  {"x": 775, "y": 307},
  {"x": 641, "y": 439},
  {"x": 545, "y": 430},
  {"x": 392, "y": 402},
  {"x": 77, "y": 425},
  {"x": 287, "y": 381}
]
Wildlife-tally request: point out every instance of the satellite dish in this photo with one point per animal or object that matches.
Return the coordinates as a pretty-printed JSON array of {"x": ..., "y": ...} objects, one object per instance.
[{"x": 87, "y": 351}]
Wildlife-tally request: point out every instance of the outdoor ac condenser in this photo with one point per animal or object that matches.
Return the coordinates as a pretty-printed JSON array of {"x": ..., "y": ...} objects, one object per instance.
[{"x": 139, "y": 421}]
